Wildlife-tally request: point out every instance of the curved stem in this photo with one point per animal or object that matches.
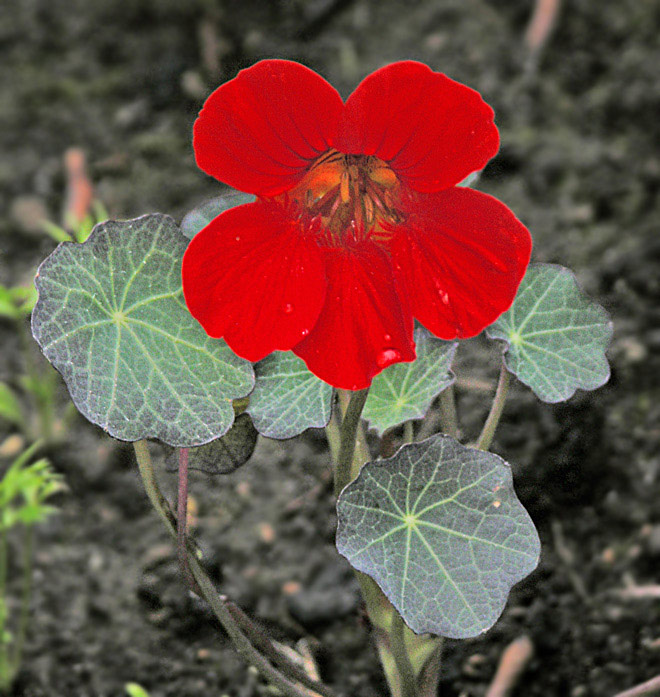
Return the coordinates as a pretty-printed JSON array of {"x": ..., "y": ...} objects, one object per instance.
[
  {"x": 217, "y": 602},
  {"x": 408, "y": 432},
  {"x": 488, "y": 432},
  {"x": 348, "y": 432}
]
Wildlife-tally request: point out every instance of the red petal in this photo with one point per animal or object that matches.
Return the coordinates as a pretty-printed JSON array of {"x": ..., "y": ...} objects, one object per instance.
[
  {"x": 431, "y": 130},
  {"x": 460, "y": 258},
  {"x": 259, "y": 131},
  {"x": 364, "y": 326},
  {"x": 251, "y": 277}
]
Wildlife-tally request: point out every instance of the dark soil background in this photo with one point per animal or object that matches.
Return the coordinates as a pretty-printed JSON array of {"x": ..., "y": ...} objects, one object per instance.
[{"x": 580, "y": 127}]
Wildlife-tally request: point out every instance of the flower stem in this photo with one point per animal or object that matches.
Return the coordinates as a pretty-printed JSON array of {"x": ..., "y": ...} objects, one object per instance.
[
  {"x": 488, "y": 432},
  {"x": 403, "y": 655},
  {"x": 219, "y": 603},
  {"x": 404, "y": 667},
  {"x": 348, "y": 432},
  {"x": 448, "y": 415}
]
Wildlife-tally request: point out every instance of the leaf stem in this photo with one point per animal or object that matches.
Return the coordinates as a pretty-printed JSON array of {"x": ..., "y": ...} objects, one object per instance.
[
  {"x": 496, "y": 409},
  {"x": 182, "y": 518},
  {"x": 219, "y": 603},
  {"x": 448, "y": 415},
  {"x": 348, "y": 432}
]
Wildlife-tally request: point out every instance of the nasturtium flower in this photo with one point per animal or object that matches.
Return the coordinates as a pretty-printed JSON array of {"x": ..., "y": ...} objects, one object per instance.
[{"x": 358, "y": 227}]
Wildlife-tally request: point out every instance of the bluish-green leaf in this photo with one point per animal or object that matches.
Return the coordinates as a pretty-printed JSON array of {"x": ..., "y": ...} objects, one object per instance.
[
  {"x": 439, "y": 528},
  {"x": 111, "y": 318},
  {"x": 287, "y": 398},
  {"x": 405, "y": 391},
  {"x": 556, "y": 337},
  {"x": 198, "y": 218}
]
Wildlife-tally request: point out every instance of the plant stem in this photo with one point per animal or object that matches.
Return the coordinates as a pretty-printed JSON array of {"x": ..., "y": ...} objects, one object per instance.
[
  {"x": 408, "y": 432},
  {"x": 448, "y": 415},
  {"x": 217, "y": 602},
  {"x": 182, "y": 518},
  {"x": 390, "y": 632},
  {"x": 488, "y": 432},
  {"x": 24, "y": 617},
  {"x": 4, "y": 663},
  {"x": 348, "y": 432},
  {"x": 407, "y": 677}
]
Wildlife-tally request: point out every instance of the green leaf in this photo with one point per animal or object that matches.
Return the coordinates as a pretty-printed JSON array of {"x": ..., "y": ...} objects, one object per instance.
[
  {"x": 111, "y": 318},
  {"x": 135, "y": 690},
  {"x": 287, "y": 398},
  {"x": 221, "y": 456},
  {"x": 405, "y": 391},
  {"x": 439, "y": 528},
  {"x": 556, "y": 338},
  {"x": 200, "y": 217},
  {"x": 10, "y": 408}
]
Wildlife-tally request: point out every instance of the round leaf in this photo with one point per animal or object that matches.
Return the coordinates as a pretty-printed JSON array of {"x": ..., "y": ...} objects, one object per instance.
[
  {"x": 287, "y": 398},
  {"x": 198, "y": 218},
  {"x": 405, "y": 391},
  {"x": 439, "y": 528},
  {"x": 556, "y": 338},
  {"x": 111, "y": 318}
]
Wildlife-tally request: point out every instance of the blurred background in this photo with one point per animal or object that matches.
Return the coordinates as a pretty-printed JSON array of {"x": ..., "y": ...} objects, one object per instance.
[{"x": 97, "y": 103}]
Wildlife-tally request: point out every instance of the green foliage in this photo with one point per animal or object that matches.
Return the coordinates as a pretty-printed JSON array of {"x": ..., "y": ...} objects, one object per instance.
[
  {"x": 10, "y": 408},
  {"x": 405, "y": 391},
  {"x": 111, "y": 318},
  {"x": 24, "y": 490},
  {"x": 77, "y": 230},
  {"x": 135, "y": 690},
  {"x": 439, "y": 528},
  {"x": 556, "y": 338},
  {"x": 17, "y": 303},
  {"x": 287, "y": 398}
]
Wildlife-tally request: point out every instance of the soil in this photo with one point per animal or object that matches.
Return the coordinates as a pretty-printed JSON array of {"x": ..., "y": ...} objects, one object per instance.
[{"x": 579, "y": 163}]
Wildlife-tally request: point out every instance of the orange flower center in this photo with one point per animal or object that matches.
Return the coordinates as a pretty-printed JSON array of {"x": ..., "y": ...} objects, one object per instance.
[{"x": 344, "y": 197}]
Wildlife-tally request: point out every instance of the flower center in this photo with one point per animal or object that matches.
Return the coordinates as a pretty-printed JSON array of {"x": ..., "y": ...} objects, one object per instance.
[{"x": 344, "y": 197}]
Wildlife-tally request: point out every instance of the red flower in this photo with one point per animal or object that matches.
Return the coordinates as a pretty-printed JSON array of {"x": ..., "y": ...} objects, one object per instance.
[{"x": 358, "y": 226}]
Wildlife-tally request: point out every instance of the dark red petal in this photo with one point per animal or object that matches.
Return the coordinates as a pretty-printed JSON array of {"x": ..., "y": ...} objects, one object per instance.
[
  {"x": 259, "y": 131},
  {"x": 460, "y": 258},
  {"x": 364, "y": 325},
  {"x": 431, "y": 130},
  {"x": 252, "y": 277}
]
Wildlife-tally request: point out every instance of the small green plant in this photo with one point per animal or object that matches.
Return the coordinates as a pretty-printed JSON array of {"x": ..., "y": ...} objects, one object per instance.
[
  {"x": 24, "y": 491},
  {"x": 38, "y": 383},
  {"x": 75, "y": 230}
]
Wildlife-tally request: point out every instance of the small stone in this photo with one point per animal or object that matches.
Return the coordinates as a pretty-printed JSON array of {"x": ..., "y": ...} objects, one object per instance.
[{"x": 11, "y": 446}]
